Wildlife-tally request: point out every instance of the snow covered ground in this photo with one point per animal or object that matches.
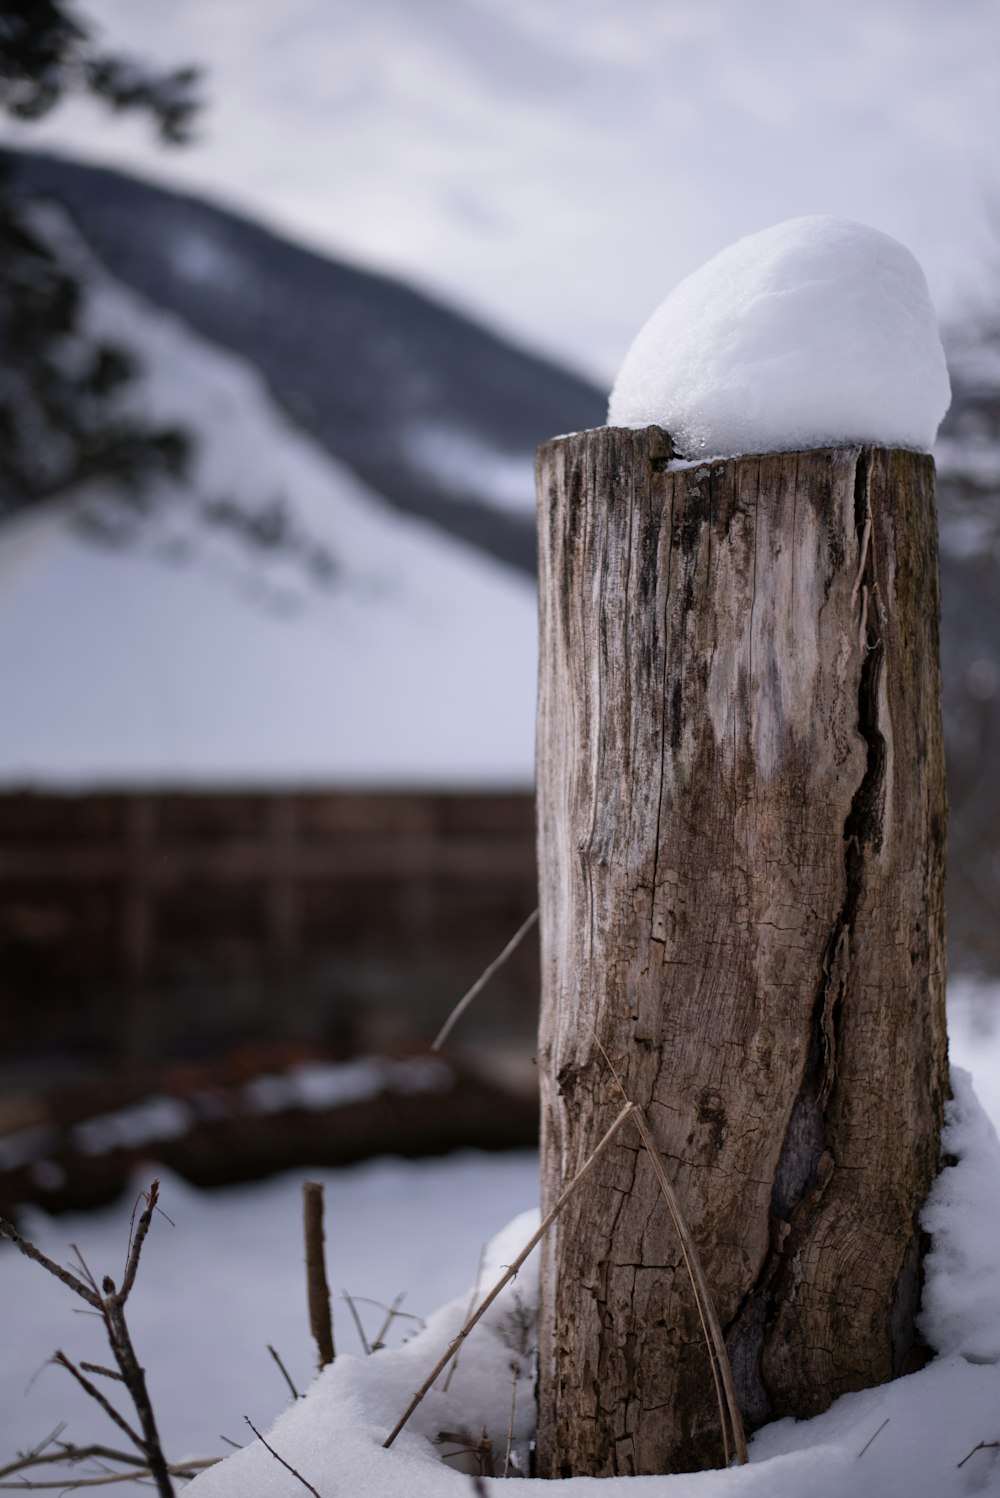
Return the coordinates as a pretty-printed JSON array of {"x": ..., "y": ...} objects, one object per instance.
[
  {"x": 370, "y": 648},
  {"x": 225, "y": 1280}
]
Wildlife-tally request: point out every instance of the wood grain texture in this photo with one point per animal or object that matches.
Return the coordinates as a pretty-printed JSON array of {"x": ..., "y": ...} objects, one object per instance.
[{"x": 741, "y": 848}]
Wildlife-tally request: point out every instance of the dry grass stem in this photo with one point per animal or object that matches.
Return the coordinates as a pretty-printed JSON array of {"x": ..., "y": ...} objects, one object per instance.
[
  {"x": 482, "y": 1449},
  {"x": 471, "y": 1306},
  {"x": 515, "y": 1373},
  {"x": 287, "y": 1465},
  {"x": 284, "y": 1370},
  {"x": 482, "y": 980},
  {"x": 356, "y": 1317},
  {"x": 718, "y": 1356},
  {"x": 392, "y": 1313},
  {"x": 730, "y": 1418},
  {"x": 317, "y": 1289},
  {"x": 512, "y": 1270}
]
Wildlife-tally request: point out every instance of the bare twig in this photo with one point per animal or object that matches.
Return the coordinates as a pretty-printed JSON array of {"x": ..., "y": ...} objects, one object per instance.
[
  {"x": 34, "y": 1454},
  {"x": 142, "y": 1228},
  {"x": 287, "y": 1465},
  {"x": 870, "y": 1439},
  {"x": 134, "y": 1378},
  {"x": 8, "y": 1230},
  {"x": 512, "y": 1270},
  {"x": 39, "y": 1457},
  {"x": 466, "y": 1445},
  {"x": 317, "y": 1290},
  {"x": 109, "y": 1303},
  {"x": 357, "y": 1322},
  {"x": 288, "y": 1376},
  {"x": 105, "y": 1403},
  {"x": 983, "y": 1446},
  {"x": 88, "y": 1277},
  {"x": 70, "y": 1484},
  {"x": 482, "y": 980},
  {"x": 99, "y": 1368}
]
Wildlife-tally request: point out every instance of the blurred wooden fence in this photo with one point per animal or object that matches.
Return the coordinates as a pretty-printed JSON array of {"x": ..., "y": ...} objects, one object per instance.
[{"x": 175, "y": 922}]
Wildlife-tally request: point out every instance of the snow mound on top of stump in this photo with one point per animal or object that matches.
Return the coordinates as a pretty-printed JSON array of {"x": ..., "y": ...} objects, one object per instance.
[{"x": 817, "y": 332}]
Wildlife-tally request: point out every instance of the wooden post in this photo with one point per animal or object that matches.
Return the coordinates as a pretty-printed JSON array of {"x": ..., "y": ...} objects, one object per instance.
[{"x": 741, "y": 847}]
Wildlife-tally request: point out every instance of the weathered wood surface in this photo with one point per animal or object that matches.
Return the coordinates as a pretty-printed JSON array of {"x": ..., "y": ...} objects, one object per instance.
[{"x": 741, "y": 847}]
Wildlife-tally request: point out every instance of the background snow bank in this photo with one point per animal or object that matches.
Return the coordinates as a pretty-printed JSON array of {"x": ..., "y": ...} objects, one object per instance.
[
  {"x": 816, "y": 332},
  {"x": 920, "y": 1428}
]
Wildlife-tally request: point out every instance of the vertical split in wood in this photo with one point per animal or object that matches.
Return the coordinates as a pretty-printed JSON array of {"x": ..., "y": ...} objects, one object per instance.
[
  {"x": 317, "y": 1289},
  {"x": 741, "y": 854}
]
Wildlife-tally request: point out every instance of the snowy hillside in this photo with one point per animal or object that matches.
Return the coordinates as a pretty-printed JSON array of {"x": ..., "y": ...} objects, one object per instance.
[
  {"x": 434, "y": 411},
  {"x": 309, "y": 633},
  {"x": 558, "y": 168}
]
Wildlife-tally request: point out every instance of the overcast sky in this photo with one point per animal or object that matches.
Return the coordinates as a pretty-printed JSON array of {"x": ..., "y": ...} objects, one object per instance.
[{"x": 555, "y": 168}]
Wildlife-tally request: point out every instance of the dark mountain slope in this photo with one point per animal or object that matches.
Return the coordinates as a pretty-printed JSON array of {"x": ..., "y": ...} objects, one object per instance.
[{"x": 372, "y": 368}]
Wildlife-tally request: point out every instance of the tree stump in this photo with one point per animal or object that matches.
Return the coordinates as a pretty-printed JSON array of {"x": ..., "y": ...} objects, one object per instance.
[{"x": 741, "y": 853}]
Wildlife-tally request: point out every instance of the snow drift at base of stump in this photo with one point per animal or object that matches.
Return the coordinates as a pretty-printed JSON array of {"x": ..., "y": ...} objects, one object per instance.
[
  {"x": 817, "y": 332},
  {"x": 903, "y": 1440}
]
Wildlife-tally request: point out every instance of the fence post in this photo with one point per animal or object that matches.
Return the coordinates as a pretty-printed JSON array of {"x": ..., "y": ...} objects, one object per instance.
[{"x": 741, "y": 850}]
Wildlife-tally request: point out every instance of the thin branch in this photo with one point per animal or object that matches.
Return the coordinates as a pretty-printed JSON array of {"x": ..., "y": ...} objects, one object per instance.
[
  {"x": 70, "y": 1484},
  {"x": 983, "y": 1446},
  {"x": 98, "y": 1368},
  {"x": 142, "y": 1228},
  {"x": 287, "y": 1466},
  {"x": 134, "y": 1378},
  {"x": 8, "y": 1230},
  {"x": 317, "y": 1289},
  {"x": 482, "y": 980},
  {"x": 870, "y": 1439},
  {"x": 39, "y": 1457},
  {"x": 512, "y": 1270},
  {"x": 288, "y": 1376},
  {"x": 106, "y": 1405}
]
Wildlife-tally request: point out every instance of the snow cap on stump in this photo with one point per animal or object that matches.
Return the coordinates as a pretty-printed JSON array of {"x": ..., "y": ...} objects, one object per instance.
[{"x": 815, "y": 333}]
